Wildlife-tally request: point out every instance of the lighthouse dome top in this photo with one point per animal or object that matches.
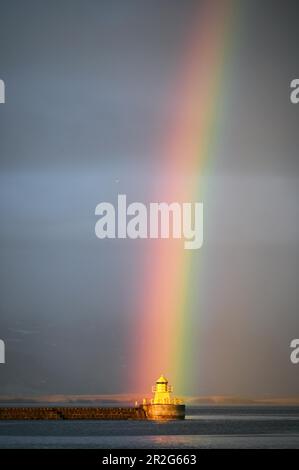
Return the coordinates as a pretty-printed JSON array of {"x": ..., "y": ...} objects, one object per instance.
[{"x": 162, "y": 380}]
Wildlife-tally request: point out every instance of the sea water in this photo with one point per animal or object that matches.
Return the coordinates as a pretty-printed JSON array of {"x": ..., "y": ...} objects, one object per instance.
[{"x": 204, "y": 427}]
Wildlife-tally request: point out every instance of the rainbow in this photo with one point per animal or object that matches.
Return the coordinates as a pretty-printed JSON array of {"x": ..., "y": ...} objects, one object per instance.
[{"x": 164, "y": 337}]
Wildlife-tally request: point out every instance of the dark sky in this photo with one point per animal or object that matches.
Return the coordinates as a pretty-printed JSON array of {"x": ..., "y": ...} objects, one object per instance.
[{"x": 87, "y": 87}]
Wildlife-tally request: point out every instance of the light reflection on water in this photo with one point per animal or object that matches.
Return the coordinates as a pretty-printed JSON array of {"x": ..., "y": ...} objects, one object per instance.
[{"x": 152, "y": 442}]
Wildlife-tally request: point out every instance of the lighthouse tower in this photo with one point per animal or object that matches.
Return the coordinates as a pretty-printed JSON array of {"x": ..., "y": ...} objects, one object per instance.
[
  {"x": 161, "y": 391},
  {"x": 163, "y": 406}
]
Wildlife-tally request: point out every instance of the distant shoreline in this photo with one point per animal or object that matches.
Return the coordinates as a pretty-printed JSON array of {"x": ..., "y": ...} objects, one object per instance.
[{"x": 130, "y": 399}]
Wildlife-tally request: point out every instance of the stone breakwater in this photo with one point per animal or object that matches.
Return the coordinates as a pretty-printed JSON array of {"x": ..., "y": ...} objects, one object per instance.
[{"x": 56, "y": 413}]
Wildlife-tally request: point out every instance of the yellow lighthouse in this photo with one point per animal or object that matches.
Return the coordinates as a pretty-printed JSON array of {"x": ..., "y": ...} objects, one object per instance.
[
  {"x": 161, "y": 391},
  {"x": 163, "y": 405}
]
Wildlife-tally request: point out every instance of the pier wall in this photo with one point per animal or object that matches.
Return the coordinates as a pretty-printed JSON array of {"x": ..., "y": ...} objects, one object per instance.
[{"x": 56, "y": 413}]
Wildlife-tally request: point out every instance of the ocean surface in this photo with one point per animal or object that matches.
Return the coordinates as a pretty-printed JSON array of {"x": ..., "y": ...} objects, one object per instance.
[{"x": 204, "y": 427}]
